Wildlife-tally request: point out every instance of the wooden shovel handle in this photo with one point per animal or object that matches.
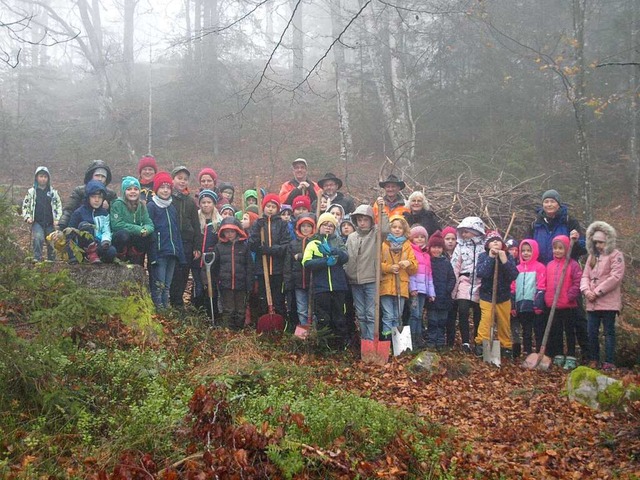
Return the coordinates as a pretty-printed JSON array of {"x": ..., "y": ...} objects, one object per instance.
[
  {"x": 376, "y": 316},
  {"x": 265, "y": 263}
]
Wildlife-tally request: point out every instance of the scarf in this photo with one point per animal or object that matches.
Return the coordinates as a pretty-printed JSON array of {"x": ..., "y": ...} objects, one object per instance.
[
  {"x": 395, "y": 243},
  {"x": 160, "y": 202}
]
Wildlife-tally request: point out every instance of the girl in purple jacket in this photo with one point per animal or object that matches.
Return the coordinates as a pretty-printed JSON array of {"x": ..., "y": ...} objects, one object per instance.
[{"x": 420, "y": 285}]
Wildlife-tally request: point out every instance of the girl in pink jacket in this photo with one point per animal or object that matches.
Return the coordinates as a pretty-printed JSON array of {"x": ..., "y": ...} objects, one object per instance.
[{"x": 600, "y": 284}]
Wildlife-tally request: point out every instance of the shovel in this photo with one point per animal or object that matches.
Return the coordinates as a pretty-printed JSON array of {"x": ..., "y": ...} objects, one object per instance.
[
  {"x": 376, "y": 351},
  {"x": 400, "y": 335},
  {"x": 208, "y": 264},
  {"x": 540, "y": 360},
  {"x": 491, "y": 347},
  {"x": 270, "y": 321}
]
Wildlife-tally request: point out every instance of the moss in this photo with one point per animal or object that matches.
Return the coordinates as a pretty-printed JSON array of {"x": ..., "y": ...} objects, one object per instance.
[
  {"x": 612, "y": 396},
  {"x": 582, "y": 373}
]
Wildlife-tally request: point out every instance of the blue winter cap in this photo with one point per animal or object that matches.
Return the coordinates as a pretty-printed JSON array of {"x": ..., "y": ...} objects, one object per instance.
[
  {"x": 128, "y": 182},
  {"x": 208, "y": 193}
]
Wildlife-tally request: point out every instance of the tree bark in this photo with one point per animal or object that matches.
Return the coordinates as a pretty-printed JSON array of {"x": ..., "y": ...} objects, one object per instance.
[
  {"x": 635, "y": 91},
  {"x": 127, "y": 41},
  {"x": 297, "y": 43}
]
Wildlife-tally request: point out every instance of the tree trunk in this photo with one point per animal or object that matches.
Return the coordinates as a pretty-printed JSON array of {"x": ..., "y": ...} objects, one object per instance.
[
  {"x": 635, "y": 91},
  {"x": 188, "y": 30},
  {"x": 127, "y": 42},
  {"x": 297, "y": 43}
]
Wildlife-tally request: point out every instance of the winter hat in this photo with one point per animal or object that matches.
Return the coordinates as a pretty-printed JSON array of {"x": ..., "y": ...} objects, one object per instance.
[
  {"x": 327, "y": 217},
  {"x": 208, "y": 171},
  {"x": 252, "y": 209},
  {"x": 160, "y": 179},
  {"x": 208, "y": 193},
  {"x": 286, "y": 208},
  {"x": 448, "y": 230},
  {"x": 250, "y": 194},
  {"x": 228, "y": 206},
  {"x": 347, "y": 219},
  {"x": 599, "y": 236},
  {"x": 100, "y": 171},
  {"x": 128, "y": 182},
  {"x": 178, "y": 169},
  {"x": 226, "y": 186},
  {"x": 271, "y": 197},
  {"x": 551, "y": 194},
  {"x": 239, "y": 214},
  {"x": 512, "y": 243},
  {"x": 491, "y": 236},
  {"x": 147, "y": 161},
  {"x": 93, "y": 187},
  {"x": 562, "y": 239},
  {"x": 436, "y": 240},
  {"x": 418, "y": 230},
  {"x": 301, "y": 201}
]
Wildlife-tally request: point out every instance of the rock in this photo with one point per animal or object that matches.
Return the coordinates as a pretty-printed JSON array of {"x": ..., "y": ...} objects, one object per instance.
[
  {"x": 593, "y": 389},
  {"x": 425, "y": 362},
  {"x": 102, "y": 276}
]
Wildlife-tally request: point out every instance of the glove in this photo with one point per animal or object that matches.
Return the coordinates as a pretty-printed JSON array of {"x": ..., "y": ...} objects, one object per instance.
[
  {"x": 513, "y": 313},
  {"x": 105, "y": 244},
  {"x": 538, "y": 311},
  {"x": 324, "y": 247},
  {"x": 332, "y": 260}
]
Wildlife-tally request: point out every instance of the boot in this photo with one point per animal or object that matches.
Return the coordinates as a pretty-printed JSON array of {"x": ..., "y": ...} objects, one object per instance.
[
  {"x": 92, "y": 253},
  {"x": 517, "y": 350}
]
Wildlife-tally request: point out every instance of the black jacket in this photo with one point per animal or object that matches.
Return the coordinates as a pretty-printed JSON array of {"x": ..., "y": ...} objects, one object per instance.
[
  {"x": 444, "y": 281},
  {"x": 276, "y": 240},
  {"x": 295, "y": 275},
  {"x": 233, "y": 265},
  {"x": 188, "y": 220},
  {"x": 426, "y": 218},
  {"x": 507, "y": 273}
]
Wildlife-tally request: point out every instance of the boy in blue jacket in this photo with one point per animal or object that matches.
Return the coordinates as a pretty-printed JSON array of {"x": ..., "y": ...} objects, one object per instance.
[{"x": 92, "y": 222}]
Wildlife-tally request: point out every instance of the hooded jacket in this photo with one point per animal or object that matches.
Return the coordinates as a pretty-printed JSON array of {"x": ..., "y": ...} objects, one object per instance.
[
  {"x": 98, "y": 217},
  {"x": 464, "y": 260},
  {"x": 326, "y": 278},
  {"x": 529, "y": 287},
  {"x": 297, "y": 276},
  {"x": 166, "y": 240},
  {"x": 544, "y": 230},
  {"x": 389, "y": 258},
  {"x": 361, "y": 248},
  {"x": 604, "y": 271},
  {"x": 570, "y": 287},
  {"x": 130, "y": 221},
  {"x": 422, "y": 280},
  {"x": 29, "y": 202},
  {"x": 233, "y": 263},
  {"x": 77, "y": 196}
]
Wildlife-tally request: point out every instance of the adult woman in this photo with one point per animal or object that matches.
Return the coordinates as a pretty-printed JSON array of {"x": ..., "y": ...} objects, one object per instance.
[{"x": 419, "y": 213}]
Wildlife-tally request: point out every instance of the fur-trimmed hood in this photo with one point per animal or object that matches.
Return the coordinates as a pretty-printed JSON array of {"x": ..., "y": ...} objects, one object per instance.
[{"x": 605, "y": 228}]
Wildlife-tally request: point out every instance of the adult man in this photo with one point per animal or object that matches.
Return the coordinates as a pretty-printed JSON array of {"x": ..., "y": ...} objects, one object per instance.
[
  {"x": 393, "y": 198},
  {"x": 299, "y": 185},
  {"x": 97, "y": 170},
  {"x": 330, "y": 184}
]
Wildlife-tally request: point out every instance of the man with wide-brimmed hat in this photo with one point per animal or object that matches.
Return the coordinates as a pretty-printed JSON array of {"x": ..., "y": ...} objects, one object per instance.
[
  {"x": 330, "y": 184},
  {"x": 393, "y": 198},
  {"x": 299, "y": 185}
]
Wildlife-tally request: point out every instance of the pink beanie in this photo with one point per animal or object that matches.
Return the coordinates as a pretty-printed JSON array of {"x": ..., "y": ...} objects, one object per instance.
[{"x": 448, "y": 230}]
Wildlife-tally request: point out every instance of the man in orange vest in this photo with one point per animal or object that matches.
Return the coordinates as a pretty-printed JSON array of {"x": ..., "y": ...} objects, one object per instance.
[
  {"x": 393, "y": 198},
  {"x": 299, "y": 185}
]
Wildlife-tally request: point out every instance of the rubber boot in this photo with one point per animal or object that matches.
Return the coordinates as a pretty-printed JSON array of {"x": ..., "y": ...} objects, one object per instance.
[{"x": 92, "y": 253}]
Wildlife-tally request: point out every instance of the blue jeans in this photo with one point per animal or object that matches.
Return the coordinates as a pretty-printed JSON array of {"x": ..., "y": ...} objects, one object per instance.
[
  {"x": 415, "y": 319},
  {"x": 391, "y": 313},
  {"x": 38, "y": 235},
  {"x": 608, "y": 319},
  {"x": 162, "y": 272},
  {"x": 302, "y": 305},
  {"x": 364, "y": 301},
  {"x": 437, "y": 327}
]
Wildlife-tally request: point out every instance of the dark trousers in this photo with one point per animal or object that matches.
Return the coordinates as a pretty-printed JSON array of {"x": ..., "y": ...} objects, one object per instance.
[
  {"x": 532, "y": 326},
  {"x": 329, "y": 310},
  {"x": 180, "y": 277},
  {"x": 233, "y": 307},
  {"x": 464, "y": 308},
  {"x": 277, "y": 295},
  {"x": 451, "y": 324},
  {"x": 131, "y": 248},
  {"x": 563, "y": 325}
]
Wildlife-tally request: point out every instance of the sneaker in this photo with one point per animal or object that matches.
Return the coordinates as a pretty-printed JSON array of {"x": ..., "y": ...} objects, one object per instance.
[
  {"x": 570, "y": 363},
  {"x": 558, "y": 360},
  {"x": 608, "y": 367},
  {"x": 466, "y": 348}
]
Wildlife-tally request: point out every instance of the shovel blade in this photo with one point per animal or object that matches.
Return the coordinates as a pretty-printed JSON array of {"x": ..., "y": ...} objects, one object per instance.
[
  {"x": 531, "y": 362},
  {"x": 545, "y": 363},
  {"x": 401, "y": 339},
  {"x": 302, "y": 332},
  {"x": 495, "y": 353},
  {"x": 270, "y": 322},
  {"x": 375, "y": 352}
]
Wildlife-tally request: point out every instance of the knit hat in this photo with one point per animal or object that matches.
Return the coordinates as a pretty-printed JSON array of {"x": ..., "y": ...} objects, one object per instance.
[
  {"x": 252, "y": 209},
  {"x": 208, "y": 193},
  {"x": 178, "y": 169},
  {"x": 250, "y": 194},
  {"x": 128, "y": 182},
  {"x": 160, "y": 179},
  {"x": 491, "y": 236},
  {"x": 228, "y": 206},
  {"x": 512, "y": 243},
  {"x": 551, "y": 194},
  {"x": 347, "y": 219},
  {"x": 226, "y": 186},
  {"x": 299, "y": 160},
  {"x": 271, "y": 197},
  {"x": 327, "y": 217},
  {"x": 286, "y": 208},
  {"x": 301, "y": 201},
  {"x": 147, "y": 161},
  {"x": 436, "y": 240},
  {"x": 448, "y": 230},
  {"x": 208, "y": 171},
  {"x": 100, "y": 171},
  {"x": 418, "y": 230}
]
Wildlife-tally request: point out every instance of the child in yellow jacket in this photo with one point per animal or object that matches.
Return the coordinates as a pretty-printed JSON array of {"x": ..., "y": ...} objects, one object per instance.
[{"x": 398, "y": 263}]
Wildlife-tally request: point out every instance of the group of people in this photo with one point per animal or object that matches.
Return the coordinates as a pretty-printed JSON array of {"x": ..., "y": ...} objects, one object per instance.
[{"x": 311, "y": 244}]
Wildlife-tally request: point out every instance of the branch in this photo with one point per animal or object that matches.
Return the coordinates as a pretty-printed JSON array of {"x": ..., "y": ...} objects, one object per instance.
[{"x": 621, "y": 64}]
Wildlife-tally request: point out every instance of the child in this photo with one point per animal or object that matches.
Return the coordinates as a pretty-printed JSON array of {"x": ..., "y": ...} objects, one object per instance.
[
  {"x": 226, "y": 192},
  {"x": 346, "y": 228},
  {"x": 337, "y": 211},
  {"x": 450, "y": 238},
  {"x": 227, "y": 210},
  {"x": 273, "y": 245},
  {"x": 286, "y": 212},
  {"x": 528, "y": 297},
  {"x": 296, "y": 276},
  {"x": 361, "y": 267},
  {"x": 233, "y": 269},
  {"x": 444, "y": 280},
  {"x": 248, "y": 219},
  {"x": 42, "y": 210},
  {"x": 398, "y": 262},
  {"x": 189, "y": 224},
  {"x": 324, "y": 256},
  {"x": 93, "y": 219},
  {"x": 166, "y": 243},
  {"x": 420, "y": 284},
  {"x": 301, "y": 204},
  {"x": 507, "y": 273},
  {"x": 600, "y": 284},
  {"x": 470, "y": 244},
  {"x": 147, "y": 169},
  {"x": 513, "y": 249},
  {"x": 130, "y": 223},
  {"x": 566, "y": 308},
  {"x": 210, "y": 221},
  {"x": 250, "y": 198}
]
